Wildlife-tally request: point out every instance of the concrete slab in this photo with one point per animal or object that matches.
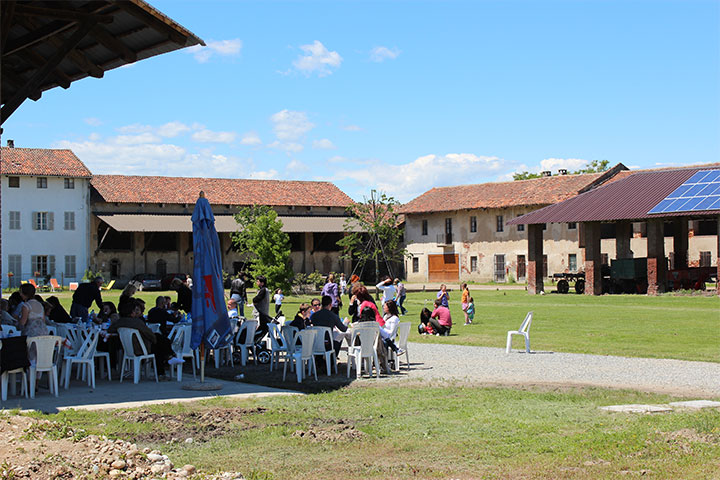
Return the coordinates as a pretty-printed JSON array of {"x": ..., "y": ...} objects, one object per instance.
[
  {"x": 637, "y": 408},
  {"x": 128, "y": 395},
  {"x": 696, "y": 404}
]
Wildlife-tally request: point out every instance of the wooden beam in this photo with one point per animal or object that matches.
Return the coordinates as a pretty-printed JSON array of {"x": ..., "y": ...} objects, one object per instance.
[
  {"x": 113, "y": 44},
  {"x": 36, "y": 35},
  {"x": 153, "y": 22},
  {"x": 39, "y": 61},
  {"x": 74, "y": 15},
  {"x": 8, "y": 12},
  {"x": 33, "y": 84}
]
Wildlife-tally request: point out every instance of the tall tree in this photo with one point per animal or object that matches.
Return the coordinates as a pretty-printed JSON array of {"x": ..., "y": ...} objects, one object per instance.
[
  {"x": 372, "y": 233},
  {"x": 264, "y": 244}
]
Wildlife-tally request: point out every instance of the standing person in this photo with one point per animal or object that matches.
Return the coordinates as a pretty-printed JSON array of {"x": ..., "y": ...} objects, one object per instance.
[
  {"x": 443, "y": 296},
  {"x": 184, "y": 295},
  {"x": 84, "y": 296},
  {"x": 238, "y": 291},
  {"x": 440, "y": 318},
  {"x": 388, "y": 289},
  {"x": 331, "y": 290},
  {"x": 400, "y": 295},
  {"x": 343, "y": 284},
  {"x": 261, "y": 302},
  {"x": 278, "y": 298},
  {"x": 470, "y": 312},
  {"x": 464, "y": 302},
  {"x": 127, "y": 294}
]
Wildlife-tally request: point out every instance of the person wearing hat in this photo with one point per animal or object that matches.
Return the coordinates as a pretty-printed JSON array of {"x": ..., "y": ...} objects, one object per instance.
[{"x": 84, "y": 296}]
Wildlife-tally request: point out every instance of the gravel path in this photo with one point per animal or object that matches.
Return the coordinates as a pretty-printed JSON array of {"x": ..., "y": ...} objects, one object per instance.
[{"x": 492, "y": 365}]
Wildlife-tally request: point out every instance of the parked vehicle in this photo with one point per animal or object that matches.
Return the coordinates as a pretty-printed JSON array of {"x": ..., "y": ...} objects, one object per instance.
[
  {"x": 148, "y": 281},
  {"x": 167, "y": 279}
]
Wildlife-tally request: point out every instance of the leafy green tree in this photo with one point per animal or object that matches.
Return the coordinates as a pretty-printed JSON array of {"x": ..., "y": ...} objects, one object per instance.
[
  {"x": 596, "y": 166},
  {"x": 525, "y": 175},
  {"x": 372, "y": 232},
  {"x": 267, "y": 248}
]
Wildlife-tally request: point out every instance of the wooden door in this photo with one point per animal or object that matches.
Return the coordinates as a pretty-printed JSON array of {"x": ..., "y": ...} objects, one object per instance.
[{"x": 443, "y": 268}]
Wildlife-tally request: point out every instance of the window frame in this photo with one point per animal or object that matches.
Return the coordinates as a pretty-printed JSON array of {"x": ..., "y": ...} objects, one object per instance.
[
  {"x": 41, "y": 221},
  {"x": 14, "y": 182},
  {"x": 42, "y": 182},
  {"x": 69, "y": 183},
  {"x": 499, "y": 224},
  {"x": 69, "y": 221},
  {"x": 473, "y": 264},
  {"x": 14, "y": 220},
  {"x": 415, "y": 265},
  {"x": 70, "y": 260},
  {"x": 424, "y": 227},
  {"x": 473, "y": 224}
]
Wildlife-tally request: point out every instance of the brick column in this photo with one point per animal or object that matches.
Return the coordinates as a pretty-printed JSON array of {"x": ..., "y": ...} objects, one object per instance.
[
  {"x": 535, "y": 259},
  {"x": 593, "y": 259},
  {"x": 680, "y": 243},
  {"x": 656, "y": 263},
  {"x": 623, "y": 234}
]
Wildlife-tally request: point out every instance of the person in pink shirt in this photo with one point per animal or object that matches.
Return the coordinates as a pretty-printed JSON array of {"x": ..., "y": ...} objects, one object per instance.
[{"x": 440, "y": 319}]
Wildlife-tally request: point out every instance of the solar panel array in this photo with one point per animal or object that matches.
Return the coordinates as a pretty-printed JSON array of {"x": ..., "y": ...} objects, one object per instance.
[{"x": 699, "y": 193}]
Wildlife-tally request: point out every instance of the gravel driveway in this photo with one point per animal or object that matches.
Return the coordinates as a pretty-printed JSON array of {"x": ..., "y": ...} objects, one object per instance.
[{"x": 493, "y": 365}]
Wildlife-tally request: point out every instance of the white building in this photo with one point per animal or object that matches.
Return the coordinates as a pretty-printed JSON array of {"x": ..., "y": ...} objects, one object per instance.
[{"x": 45, "y": 215}]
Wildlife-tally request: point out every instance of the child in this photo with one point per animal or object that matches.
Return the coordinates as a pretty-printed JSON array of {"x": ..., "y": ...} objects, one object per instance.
[
  {"x": 470, "y": 311},
  {"x": 278, "y": 301}
]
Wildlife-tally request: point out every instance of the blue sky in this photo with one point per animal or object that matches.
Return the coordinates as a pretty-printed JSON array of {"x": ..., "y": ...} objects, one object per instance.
[{"x": 400, "y": 96}]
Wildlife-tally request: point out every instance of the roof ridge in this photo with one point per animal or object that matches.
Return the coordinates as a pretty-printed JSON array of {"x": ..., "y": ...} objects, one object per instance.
[{"x": 213, "y": 178}]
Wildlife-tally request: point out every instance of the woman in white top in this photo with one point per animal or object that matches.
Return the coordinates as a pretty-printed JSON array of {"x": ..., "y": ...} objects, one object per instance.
[{"x": 388, "y": 332}]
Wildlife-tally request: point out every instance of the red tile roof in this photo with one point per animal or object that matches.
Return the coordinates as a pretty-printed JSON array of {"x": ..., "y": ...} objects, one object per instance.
[
  {"x": 533, "y": 192},
  {"x": 41, "y": 161},
  {"x": 148, "y": 189},
  {"x": 629, "y": 198}
]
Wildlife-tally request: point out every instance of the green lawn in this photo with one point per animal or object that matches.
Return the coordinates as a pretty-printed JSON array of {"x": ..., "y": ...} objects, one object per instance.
[
  {"x": 404, "y": 431},
  {"x": 680, "y": 327}
]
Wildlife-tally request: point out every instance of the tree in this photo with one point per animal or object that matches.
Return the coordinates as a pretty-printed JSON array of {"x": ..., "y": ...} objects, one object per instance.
[
  {"x": 378, "y": 238},
  {"x": 264, "y": 244},
  {"x": 596, "y": 166}
]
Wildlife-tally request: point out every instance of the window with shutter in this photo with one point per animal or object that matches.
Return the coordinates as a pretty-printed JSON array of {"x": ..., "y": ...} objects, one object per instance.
[
  {"x": 50, "y": 221},
  {"x": 51, "y": 265}
]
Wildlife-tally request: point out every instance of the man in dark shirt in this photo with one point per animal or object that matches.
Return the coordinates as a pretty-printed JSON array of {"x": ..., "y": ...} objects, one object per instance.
[
  {"x": 83, "y": 298},
  {"x": 325, "y": 317},
  {"x": 184, "y": 295},
  {"x": 159, "y": 314},
  {"x": 238, "y": 290}
]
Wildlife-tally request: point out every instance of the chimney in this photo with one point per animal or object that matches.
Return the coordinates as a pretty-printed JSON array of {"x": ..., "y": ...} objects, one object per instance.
[
  {"x": 545, "y": 173},
  {"x": 562, "y": 171},
  {"x": 11, "y": 143}
]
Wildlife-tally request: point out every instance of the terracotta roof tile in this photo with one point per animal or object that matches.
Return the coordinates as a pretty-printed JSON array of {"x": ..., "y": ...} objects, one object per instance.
[
  {"x": 173, "y": 190},
  {"x": 536, "y": 191},
  {"x": 41, "y": 161}
]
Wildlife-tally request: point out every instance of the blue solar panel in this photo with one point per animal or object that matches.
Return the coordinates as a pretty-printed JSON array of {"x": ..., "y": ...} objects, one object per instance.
[{"x": 699, "y": 193}]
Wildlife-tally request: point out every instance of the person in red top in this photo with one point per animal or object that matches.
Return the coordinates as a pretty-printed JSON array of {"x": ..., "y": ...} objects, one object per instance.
[
  {"x": 366, "y": 301},
  {"x": 440, "y": 319}
]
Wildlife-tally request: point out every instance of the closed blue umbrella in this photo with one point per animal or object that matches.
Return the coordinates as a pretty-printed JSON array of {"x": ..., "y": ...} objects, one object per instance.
[{"x": 210, "y": 322}]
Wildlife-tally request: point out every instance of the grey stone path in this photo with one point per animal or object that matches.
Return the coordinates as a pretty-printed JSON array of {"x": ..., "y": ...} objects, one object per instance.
[{"x": 493, "y": 365}]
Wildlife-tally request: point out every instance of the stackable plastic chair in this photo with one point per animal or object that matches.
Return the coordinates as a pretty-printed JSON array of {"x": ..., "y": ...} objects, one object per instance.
[
  {"x": 320, "y": 348},
  {"x": 365, "y": 352},
  {"x": 84, "y": 357},
  {"x": 47, "y": 354},
  {"x": 184, "y": 334},
  {"x": 524, "y": 331},
  {"x": 129, "y": 357},
  {"x": 290, "y": 336},
  {"x": 249, "y": 327},
  {"x": 277, "y": 345},
  {"x": 305, "y": 354},
  {"x": 402, "y": 339}
]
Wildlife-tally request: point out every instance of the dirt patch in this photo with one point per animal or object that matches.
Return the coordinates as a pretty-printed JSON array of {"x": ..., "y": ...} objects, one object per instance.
[
  {"x": 342, "y": 431},
  {"x": 689, "y": 435},
  {"x": 201, "y": 426}
]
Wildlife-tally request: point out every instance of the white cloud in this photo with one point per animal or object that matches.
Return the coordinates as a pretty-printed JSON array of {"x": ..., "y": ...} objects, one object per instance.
[
  {"x": 208, "y": 136},
  {"x": 250, "y": 138},
  {"x": 337, "y": 159},
  {"x": 411, "y": 179},
  {"x": 172, "y": 129},
  {"x": 264, "y": 175},
  {"x": 136, "y": 139},
  {"x": 286, "y": 146},
  {"x": 380, "y": 54},
  {"x": 93, "y": 122},
  {"x": 296, "y": 166},
  {"x": 134, "y": 128},
  {"x": 224, "y": 48},
  {"x": 554, "y": 164},
  {"x": 317, "y": 59},
  {"x": 352, "y": 128},
  {"x": 323, "y": 144},
  {"x": 290, "y": 125}
]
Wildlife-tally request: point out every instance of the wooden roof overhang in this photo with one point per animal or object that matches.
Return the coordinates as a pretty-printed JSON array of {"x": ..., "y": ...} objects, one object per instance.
[{"x": 48, "y": 44}]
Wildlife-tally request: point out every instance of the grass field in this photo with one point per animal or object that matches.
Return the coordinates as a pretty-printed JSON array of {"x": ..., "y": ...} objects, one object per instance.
[
  {"x": 406, "y": 431},
  {"x": 668, "y": 326}
]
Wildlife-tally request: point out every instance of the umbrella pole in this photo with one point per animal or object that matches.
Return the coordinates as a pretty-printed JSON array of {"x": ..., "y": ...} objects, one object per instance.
[{"x": 202, "y": 363}]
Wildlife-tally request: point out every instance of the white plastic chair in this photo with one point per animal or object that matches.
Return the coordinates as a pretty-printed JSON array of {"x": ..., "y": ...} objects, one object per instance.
[
  {"x": 4, "y": 379},
  {"x": 402, "y": 339},
  {"x": 10, "y": 331},
  {"x": 182, "y": 334},
  {"x": 290, "y": 336},
  {"x": 84, "y": 357},
  {"x": 154, "y": 327},
  {"x": 47, "y": 354},
  {"x": 126, "y": 339},
  {"x": 249, "y": 327},
  {"x": 365, "y": 352},
  {"x": 304, "y": 356},
  {"x": 523, "y": 331},
  {"x": 277, "y": 345},
  {"x": 319, "y": 347}
]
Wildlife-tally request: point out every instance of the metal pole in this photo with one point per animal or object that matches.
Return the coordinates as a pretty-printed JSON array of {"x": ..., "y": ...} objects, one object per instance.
[{"x": 202, "y": 363}]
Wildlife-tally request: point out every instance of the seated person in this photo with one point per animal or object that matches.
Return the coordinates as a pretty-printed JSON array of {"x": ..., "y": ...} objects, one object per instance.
[
  {"x": 440, "y": 318},
  {"x": 6, "y": 318},
  {"x": 108, "y": 313},
  {"x": 232, "y": 308},
  {"x": 325, "y": 317},
  {"x": 155, "y": 343},
  {"x": 302, "y": 317},
  {"x": 159, "y": 314},
  {"x": 425, "y": 328},
  {"x": 388, "y": 332},
  {"x": 58, "y": 314}
]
